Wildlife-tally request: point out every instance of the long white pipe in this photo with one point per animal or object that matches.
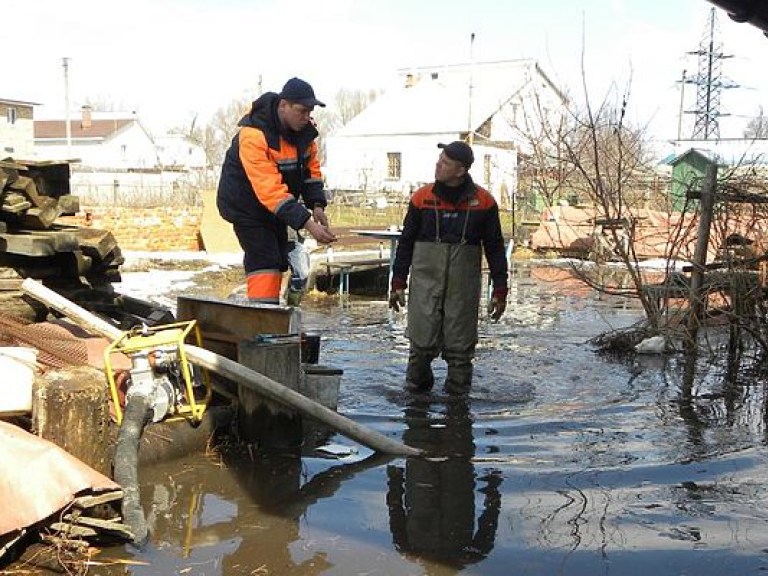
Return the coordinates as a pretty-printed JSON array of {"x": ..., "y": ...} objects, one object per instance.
[{"x": 233, "y": 371}]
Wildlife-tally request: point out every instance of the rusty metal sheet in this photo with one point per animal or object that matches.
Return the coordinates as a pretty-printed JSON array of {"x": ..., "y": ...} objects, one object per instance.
[{"x": 39, "y": 478}]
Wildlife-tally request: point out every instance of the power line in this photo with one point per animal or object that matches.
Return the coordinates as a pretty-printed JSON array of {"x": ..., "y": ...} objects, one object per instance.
[{"x": 709, "y": 82}]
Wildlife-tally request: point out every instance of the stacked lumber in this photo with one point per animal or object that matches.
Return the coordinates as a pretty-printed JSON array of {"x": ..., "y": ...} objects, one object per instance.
[{"x": 88, "y": 517}]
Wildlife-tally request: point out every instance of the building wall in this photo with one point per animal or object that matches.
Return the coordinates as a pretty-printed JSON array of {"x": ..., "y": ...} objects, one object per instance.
[
  {"x": 162, "y": 229},
  {"x": 16, "y": 139},
  {"x": 177, "y": 151},
  {"x": 360, "y": 163}
]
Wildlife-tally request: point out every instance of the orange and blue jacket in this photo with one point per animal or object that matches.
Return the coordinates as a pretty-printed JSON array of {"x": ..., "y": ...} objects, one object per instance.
[
  {"x": 267, "y": 169},
  {"x": 467, "y": 214}
]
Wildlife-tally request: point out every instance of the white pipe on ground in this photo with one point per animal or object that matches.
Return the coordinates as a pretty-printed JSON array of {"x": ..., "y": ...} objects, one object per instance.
[{"x": 233, "y": 371}]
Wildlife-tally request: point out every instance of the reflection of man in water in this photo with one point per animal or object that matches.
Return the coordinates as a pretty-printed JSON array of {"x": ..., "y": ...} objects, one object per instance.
[{"x": 432, "y": 501}]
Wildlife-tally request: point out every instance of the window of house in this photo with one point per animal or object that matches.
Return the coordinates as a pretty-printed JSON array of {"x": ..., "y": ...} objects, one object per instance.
[
  {"x": 12, "y": 114},
  {"x": 394, "y": 165}
]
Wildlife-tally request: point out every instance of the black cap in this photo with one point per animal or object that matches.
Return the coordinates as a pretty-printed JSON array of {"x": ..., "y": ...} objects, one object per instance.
[
  {"x": 459, "y": 151},
  {"x": 296, "y": 90}
]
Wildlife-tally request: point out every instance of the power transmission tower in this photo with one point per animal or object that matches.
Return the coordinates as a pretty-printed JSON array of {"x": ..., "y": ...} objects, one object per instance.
[{"x": 709, "y": 82}]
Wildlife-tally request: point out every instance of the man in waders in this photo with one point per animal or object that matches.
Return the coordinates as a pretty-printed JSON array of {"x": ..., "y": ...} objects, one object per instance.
[{"x": 447, "y": 227}]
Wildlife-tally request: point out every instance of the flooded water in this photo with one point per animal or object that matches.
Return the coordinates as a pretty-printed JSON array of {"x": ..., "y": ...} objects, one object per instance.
[{"x": 561, "y": 462}]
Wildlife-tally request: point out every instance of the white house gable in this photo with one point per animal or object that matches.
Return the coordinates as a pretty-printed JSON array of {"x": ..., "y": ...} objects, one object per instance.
[{"x": 391, "y": 145}]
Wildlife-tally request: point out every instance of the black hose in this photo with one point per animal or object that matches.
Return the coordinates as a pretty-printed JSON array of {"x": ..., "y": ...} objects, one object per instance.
[{"x": 126, "y": 464}]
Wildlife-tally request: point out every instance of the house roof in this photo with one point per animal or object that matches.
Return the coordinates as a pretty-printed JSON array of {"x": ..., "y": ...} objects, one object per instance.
[
  {"x": 726, "y": 152},
  {"x": 675, "y": 160},
  {"x": 102, "y": 129},
  {"x": 438, "y": 100},
  {"x": 18, "y": 102}
]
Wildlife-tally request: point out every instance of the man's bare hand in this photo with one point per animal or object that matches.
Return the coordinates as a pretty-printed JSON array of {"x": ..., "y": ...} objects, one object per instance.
[
  {"x": 319, "y": 216},
  {"x": 319, "y": 232}
]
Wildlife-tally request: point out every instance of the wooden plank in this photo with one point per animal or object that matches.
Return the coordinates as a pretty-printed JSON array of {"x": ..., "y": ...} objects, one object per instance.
[
  {"x": 114, "y": 526},
  {"x": 91, "y": 500},
  {"x": 64, "y": 542},
  {"x": 72, "y": 530},
  {"x": 10, "y": 284},
  {"x": 10, "y": 164}
]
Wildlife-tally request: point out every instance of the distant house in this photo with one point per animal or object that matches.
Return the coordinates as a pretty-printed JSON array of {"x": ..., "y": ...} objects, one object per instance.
[
  {"x": 179, "y": 152},
  {"x": 99, "y": 140},
  {"x": 390, "y": 147},
  {"x": 116, "y": 157},
  {"x": 690, "y": 164},
  {"x": 16, "y": 128}
]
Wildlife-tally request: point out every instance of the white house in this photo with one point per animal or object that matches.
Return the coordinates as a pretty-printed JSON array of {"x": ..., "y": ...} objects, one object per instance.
[
  {"x": 391, "y": 145},
  {"x": 16, "y": 128},
  {"x": 117, "y": 156},
  {"x": 99, "y": 140},
  {"x": 179, "y": 152}
]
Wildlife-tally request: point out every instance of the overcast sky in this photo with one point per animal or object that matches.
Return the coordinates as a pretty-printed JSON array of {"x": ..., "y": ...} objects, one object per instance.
[{"x": 171, "y": 59}]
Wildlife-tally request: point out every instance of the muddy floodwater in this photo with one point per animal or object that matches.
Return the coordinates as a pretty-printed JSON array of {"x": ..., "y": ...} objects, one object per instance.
[{"x": 561, "y": 462}]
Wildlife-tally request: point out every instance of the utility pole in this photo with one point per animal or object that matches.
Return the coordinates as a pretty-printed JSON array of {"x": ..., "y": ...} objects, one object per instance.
[
  {"x": 680, "y": 112},
  {"x": 68, "y": 127},
  {"x": 470, "y": 128}
]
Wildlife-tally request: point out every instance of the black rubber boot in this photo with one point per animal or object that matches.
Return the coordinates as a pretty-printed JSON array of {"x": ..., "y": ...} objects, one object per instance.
[
  {"x": 418, "y": 376},
  {"x": 459, "y": 379}
]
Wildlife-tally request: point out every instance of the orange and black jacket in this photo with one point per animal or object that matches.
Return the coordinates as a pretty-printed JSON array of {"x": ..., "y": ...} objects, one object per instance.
[
  {"x": 267, "y": 169},
  {"x": 467, "y": 214}
]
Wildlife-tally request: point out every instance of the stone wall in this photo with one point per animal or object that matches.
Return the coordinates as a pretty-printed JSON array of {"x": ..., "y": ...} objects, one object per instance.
[{"x": 145, "y": 229}]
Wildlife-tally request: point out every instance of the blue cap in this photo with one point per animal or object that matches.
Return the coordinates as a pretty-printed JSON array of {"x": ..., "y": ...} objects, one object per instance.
[
  {"x": 459, "y": 151},
  {"x": 297, "y": 90}
]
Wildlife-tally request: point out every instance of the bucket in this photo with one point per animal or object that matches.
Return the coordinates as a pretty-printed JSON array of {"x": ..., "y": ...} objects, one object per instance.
[
  {"x": 18, "y": 366},
  {"x": 310, "y": 347},
  {"x": 321, "y": 384}
]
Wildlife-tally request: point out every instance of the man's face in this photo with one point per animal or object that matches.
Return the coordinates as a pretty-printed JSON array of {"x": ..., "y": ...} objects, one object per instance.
[
  {"x": 295, "y": 116},
  {"x": 447, "y": 170}
]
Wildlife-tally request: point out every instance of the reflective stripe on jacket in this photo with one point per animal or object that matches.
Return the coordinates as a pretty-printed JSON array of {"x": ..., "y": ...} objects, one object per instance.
[{"x": 266, "y": 171}]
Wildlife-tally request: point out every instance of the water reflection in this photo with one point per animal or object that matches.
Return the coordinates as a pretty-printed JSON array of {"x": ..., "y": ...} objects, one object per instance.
[
  {"x": 565, "y": 463},
  {"x": 278, "y": 486},
  {"x": 432, "y": 500}
]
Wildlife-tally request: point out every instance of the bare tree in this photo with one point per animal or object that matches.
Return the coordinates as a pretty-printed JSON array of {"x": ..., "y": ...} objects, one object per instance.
[
  {"x": 594, "y": 156},
  {"x": 757, "y": 126},
  {"x": 346, "y": 105},
  {"x": 215, "y": 136}
]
